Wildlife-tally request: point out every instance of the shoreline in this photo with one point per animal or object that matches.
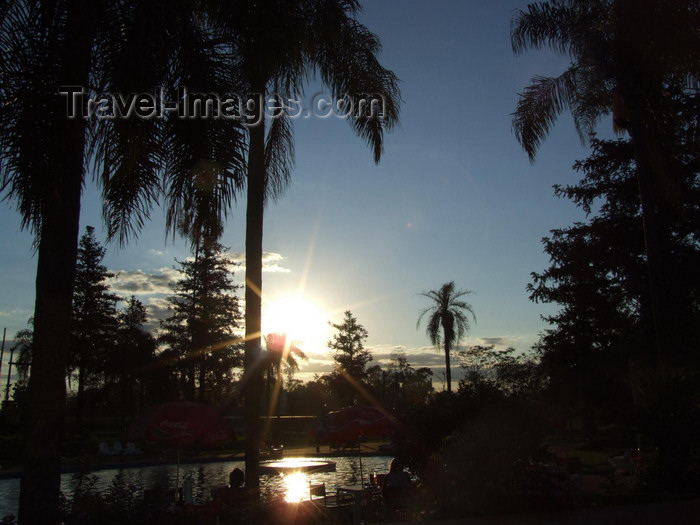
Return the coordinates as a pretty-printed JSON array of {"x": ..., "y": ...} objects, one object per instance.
[{"x": 95, "y": 463}]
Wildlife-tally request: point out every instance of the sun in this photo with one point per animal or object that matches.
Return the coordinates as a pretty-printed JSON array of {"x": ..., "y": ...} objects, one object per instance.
[{"x": 302, "y": 321}]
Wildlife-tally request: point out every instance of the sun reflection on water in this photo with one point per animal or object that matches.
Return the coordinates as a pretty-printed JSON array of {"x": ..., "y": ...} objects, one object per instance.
[{"x": 296, "y": 487}]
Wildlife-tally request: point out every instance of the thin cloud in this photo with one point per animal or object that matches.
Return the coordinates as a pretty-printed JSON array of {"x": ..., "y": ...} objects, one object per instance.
[
  {"x": 382, "y": 354},
  {"x": 495, "y": 341},
  {"x": 138, "y": 282},
  {"x": 271, "y": 262},
  {"x": 157, "y": 309},
  {"x": 14, "y": 312},
  {"x": 428, "y": 358},
  {"x": 237, "y": 257},
  {"x": 522, "y": 343}
]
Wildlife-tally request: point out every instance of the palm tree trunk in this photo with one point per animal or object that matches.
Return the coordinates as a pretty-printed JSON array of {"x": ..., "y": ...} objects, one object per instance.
[
  {"x": 40, "y": 481},
  {"x": 268, "y": 385},
  {"x": 194, "y": 327},
  {"x": 448, "y": 372},
  {"x": 56, "y": 263},
  {"x": 253, "y": 291},
  {"x": 656, "y": 241},
  {"x": 80, "y": 399},
  {"x": 280, "y": 386},
  {"x": 448, "y": 322}
]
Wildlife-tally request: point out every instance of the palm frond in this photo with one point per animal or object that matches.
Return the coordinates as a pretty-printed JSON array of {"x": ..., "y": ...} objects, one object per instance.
[
  {"x": 546, "y": 25},
  {"x": 445, "y": 300},
  {"x": 127, "y": 155},
  {"x": 591, "y": 102},
  {"x": 204, "y": 173},
  {"x": 423, "y": 312},
  {"x": 432, "y": 329},
  {"x": 539, "y": 106},
  {"x": 29, "y": 113},
  {"x": 462, "y": 323},
  {"x": 346, "y": 52},
  {"x": 196, "y": 163},
  {"x": 279, "y": 155}
]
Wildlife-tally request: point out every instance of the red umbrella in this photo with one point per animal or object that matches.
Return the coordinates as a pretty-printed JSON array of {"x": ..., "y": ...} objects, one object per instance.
[
  {"x": 374, "y": 421},
  {"x": 350, "y": 423},
  {"x": 181, "y": 423}
]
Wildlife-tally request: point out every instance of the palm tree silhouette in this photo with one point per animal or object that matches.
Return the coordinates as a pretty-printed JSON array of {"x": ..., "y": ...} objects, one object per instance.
[
  {"x": 279, "y": 45},
  {"x": 282, "y": 354},
  {"x": 102, "y": 47},
  {"x": 449, "y": 312},
  {"x": 115, "y": 47},
  {"x": 624, "y": 62}
]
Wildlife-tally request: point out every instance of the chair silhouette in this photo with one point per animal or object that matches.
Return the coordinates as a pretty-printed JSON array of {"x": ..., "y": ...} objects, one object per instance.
[{"x": 317, "y": 491}]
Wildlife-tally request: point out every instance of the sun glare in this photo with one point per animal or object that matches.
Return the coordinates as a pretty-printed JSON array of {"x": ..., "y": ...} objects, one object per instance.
[
  {"x": 300, "y": 319},
  {"x": 297, "y": 487}
]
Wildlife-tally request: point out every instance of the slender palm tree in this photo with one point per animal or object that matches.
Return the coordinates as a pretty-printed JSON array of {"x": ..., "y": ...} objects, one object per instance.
[
  {"x": 282, "y": 355},
  {"x": 628, "y": 58},
  {"x": 451, "y": 313},
  {"x": 23, "y": 346},
  {"x": 100, "y": 46},
  {"x": 279, "y": 45}
]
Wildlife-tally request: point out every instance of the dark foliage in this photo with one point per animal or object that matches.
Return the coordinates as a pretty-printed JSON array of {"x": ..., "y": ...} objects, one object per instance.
[
  {"x": 94, "y": 320},
  {"x": 349, "y": 380},
  {"x": 201, "y": 345},
  {"x": 472, "y": 449}
]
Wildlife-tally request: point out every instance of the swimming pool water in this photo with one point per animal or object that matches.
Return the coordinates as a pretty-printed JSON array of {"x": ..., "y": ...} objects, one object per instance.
[{"x": 205, "y": 477}]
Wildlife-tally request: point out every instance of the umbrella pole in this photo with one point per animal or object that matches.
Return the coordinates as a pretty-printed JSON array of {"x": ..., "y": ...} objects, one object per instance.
[
  {"x": 362, "y": 476},
  {"x": 177, "y": 473}
]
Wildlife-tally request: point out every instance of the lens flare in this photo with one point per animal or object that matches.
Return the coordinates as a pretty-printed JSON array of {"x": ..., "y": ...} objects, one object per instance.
[
  {"x": 302, "y": 321},
  {"x": 296, "y": 487}
]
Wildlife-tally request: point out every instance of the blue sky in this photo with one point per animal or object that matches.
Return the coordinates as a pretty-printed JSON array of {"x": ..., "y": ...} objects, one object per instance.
[{"x": 453, "y": 199}]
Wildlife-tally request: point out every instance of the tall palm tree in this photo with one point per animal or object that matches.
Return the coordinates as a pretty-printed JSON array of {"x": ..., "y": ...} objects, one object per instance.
[
  {"x": 42, "y": 170},
  {"x": 628, "y": 58},
  {"x": 103, "y": 46},
  {"x": 280, "y": 44},
  {"x": 451, "y": 313}
]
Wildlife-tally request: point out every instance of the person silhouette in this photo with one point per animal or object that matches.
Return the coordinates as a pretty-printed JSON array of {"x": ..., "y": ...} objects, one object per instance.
[
  {"x": 235, "y": 492},
  {"x": 397, "y": 477},
  {"x": 398, "y": 487},
  {"x": 236, "y": 479}
]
